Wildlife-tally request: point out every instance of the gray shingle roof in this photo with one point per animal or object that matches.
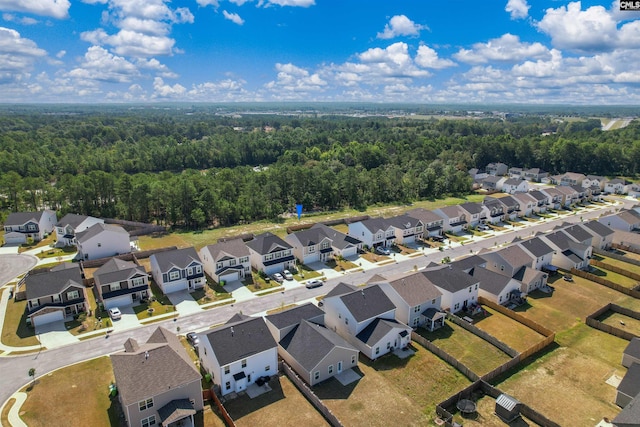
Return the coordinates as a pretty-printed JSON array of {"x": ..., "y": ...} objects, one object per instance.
[
  {"x": 295, "y": 315},
  {"x": 366, "y": 303},
  {"x": 309, "y": 237},
  {"x": 19, "y": 218},
  {"x": 341, "y": 289},
  {"x": 490, "y": 281},
  {"x": 578, "y": 233},
  {"x": 528, "y": 275},
  {"x": 235, "y": 341},
  {"x": 180, "y": 258},
  {"x": 403, "y": 222},
  {"x": 633, "y": 348},
  {"x": 538, "y": 195},
  {"x": 96, "y": 229},
  {"x": 472, "y": 208},
  {"x": 515, "y": 256},
  {"x": 377, "y": 329},
  {"x": 309, "y": 344},
  {"x": 629, "y": 415},
  {"x": 452, "y": 211},
  {"x": 375, "y": 224},
  {"x": 338, "y": 240},
  {"x": 267, "y": 243},
  {"x": 630, "y": 384},
  {"x": 415, "y": 289},
  {"x": 598, "y": 228},
  {"x": 536, "y": 246},
  {"x": 449, "y": 278},
  {"x": 74, "y": 220},
  {"x": 116, "y": 270},
  {"x": 152, "y": 368},
  {"x": 469, "y": 262},
  {"x": 424, "y": 215},
  {"x": 513, "y": 181},
  {"x": 235, "y": 248},
  {"x": 53, "y": 282}
]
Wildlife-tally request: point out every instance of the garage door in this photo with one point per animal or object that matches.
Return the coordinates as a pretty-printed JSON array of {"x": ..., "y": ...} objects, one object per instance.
[
  {"x": 14, "y": 238},
  {"x": 121, "y": 301},
  {"x": 174, "y": 287},
  {"x": 230, "y": 277},
  {"x": 43, "y": 319}
]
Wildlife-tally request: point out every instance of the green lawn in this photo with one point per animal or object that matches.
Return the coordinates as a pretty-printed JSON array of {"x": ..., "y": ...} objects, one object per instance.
[
  {"x": 210, "y": 293},
  {"x": 514, "y": 334},
  {"x": 160, "y": 305},
  {"x": 15, "y": 331},
  {"x": 305, "y": 273},
  {"x": 57, "y": 252},
  {"x": 621, "y": 280},
  {"x": 256, "y": 283},
  {"x": 617, "y": 263},
  {"x": 342, "y": 265}
]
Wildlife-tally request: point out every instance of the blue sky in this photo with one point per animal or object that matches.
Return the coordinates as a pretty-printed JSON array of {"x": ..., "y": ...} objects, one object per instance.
[{"x": 492, "y": 51}]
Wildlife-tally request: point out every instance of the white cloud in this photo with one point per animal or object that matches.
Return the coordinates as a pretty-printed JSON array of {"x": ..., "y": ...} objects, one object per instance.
[
  {"x": 233, "y": 17},
  {"x": 52, "y": 8},
  {"x": 428, "y": 58},
  {"x": 239, "y": 2},
  {"x": 25, "y": 20},
  {"x": 507, "y": 48},
  {"x": 400, "y": 25},
  {"x": 519, "y": 9},
  {"x": 294, "y": 3},
  {"x": 205, "y": 3},
  {"x": 61, "y": 54},
  {"x": 17, "y": 55},
  {"x": 162, "y": 90},
  {"x": 295, "y": 80},
  {"x": 99, "y": 64},
  {"x": 131, "y": 43}
]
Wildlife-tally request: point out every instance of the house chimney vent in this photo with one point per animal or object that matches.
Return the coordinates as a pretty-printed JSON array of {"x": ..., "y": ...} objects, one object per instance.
[
  {"x": 146, "y": 355},
  {"x": 232, "y": 331}
]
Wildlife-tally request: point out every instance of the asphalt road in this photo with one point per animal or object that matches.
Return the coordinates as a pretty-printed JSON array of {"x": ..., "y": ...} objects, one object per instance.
[
  {"x": 13, "y": 265},
  {"x": 15, "y": 369}
]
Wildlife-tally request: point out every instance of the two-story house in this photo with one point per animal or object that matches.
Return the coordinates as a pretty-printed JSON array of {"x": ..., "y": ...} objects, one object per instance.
[
  {"x": 177, "y": 270},
  {"x": 25, "y": 227},
  {"x": 572, "y": 178},
  {"x": 270, "y": 254},
  {"x": 518, "y": 263},
  {"x": 406, "y": 229},
  {"x": 493, "y": 183},
  {"x": 515, "y": 185},
  {"x": 365, "y": 317},
  {"x": 541, "y": 253},
  {"x": 497, "y": 169},
  {"x": 238, "y": 353},
  {"x": 496, "y": 287},
  {"x": 567, "y": 253},
  {"x": 534, "y": 174},
  {"x": 527, "y": 203},
  {"x": 121, "y": 283},
  {"x": 226, "y": 261},
  {"x": 102, "y": 241},
  {"x": 55, "y": 295},
  {"x": 602, "y": 235},
  {"x": 342, "y": 244},
  {"x": 432, "y": 222},
  {"x": 473, "y": 212},
  {"x": 515, "y": 172},
  {"x": 373, "y": 232},
  {"x": 591, "y": 181},
  {"x": 311, "y": 245},
  {"x": 510, "y": 205},
  {"x": 625, "y": 220},
  {"x": 571, "y": 196},
  {"x": 555, "y": 198},
  {"x": 458, "y": 289},
  {"x": 454, "y": 219},
  {"x": 157, "y": 382},
  {"x": 542, "y": 200},
  {"x": 617, "y": 186},
  {"x": 494, "y": 210},
  {"x": 70, "y": 224}
]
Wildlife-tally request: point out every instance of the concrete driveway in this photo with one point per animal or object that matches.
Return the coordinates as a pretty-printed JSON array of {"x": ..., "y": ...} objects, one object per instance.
[
  {"x": 54, "y": 335},
  {"x": 9, "y": 249},
  {"x": 184, "y": 302},
  {"x": 238, "y": 291},
  {"x": 129, "y": 320}
]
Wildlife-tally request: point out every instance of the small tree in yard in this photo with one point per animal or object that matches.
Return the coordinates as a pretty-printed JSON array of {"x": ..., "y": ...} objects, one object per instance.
[{"x": 32, "y": 374}]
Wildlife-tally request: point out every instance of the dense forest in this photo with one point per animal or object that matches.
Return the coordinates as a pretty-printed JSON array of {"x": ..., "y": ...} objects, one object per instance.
[{"x": 197, "y": 169}]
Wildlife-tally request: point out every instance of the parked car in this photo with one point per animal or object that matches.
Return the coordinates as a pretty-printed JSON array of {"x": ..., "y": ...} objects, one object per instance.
[
  {"x": 193, "y": 339},
  {"x": 437, "y": 238},
  {"x": 381, "y": 250},
  {"x": 313, "y": 283},
  {"x": 114, "y": 313},
  {"x": 278, "y": 277},
  {"x": 483, "y": 227},
  {"x": 567, "y": 278},
  {"x": 287, "y": 275}
]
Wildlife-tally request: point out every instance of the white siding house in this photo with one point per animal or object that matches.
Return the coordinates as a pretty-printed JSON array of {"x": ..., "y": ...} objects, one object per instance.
[
  {"x": 177, "y": 270},
  {"x": 102, "y": 241}
]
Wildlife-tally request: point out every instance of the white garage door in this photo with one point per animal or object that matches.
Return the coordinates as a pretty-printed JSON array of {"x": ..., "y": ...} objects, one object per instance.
[
  {"x": 174, "y": 287},
  {"x": 14, "y": 238},
  {"x": 121, "y": 301},
  {"x": 347, "y": 252},
  {"x": 43, "y": 319},
  {"x": 231, "y": 277}
]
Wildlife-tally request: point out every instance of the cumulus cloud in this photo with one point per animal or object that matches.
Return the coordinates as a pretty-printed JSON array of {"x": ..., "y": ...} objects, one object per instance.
[
  {"x": 507, "y": 48},
  {"x": 25, "y": 20},
  {"x": 99, "y": 64},
  {"x": 162, "y": 90},
  {"x": 293, "y": 3},
  {"x": 295, "y": 80},
  {"x": 58, "y": 9},
  {"x": 233, "y": 17},
  {"x": 519, "y": 9},
  {"x": 17, "y": 55},
  {"x": 428, "y": 58},
  {"x": 400, "y": 25},
  {"x": 205, "y": 3}
]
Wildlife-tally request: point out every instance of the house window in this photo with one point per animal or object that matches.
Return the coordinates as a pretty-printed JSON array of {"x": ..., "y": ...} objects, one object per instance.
[
  {"x": 198, "y": 269},
  {"x": 476, "y": 286},
  {"x": 227, "y": 370},
  {"x": 433, "y": 301},
  {"x": 267, "y": 368},
  {"x": 244, "y": 363},
  {"x": 388, "y": 345},
  {"x": 137, "y": 281},
  {"x": 353, "y": 359},
  {"x": 190, "y": 271},
  {"x": 311, "y": 249},
  {"x": 219, "y": 265},
  {"x": 149, "y": 421},
  {"x": 73, "y": 295},
  {"x": 232, "y": 262},
  {"x": 268, "y": 257},
  {"x": 99, "y": 245},
  {"x": 502, "y": 268},
  {"x": 416, "y": 309},
  {"x": 346, "y": 320},
  {"x": 245, "y": 259},
  {"x": 227, "y": 385},
  {"x": 330, "y": 369},
  {"x": 31, "y": 227},
  {"x": 145, "y": 404},
  {"x": 415, "y": 321},
  {"x": 457, "y": 306},
  {"x": 470, "y": 288},
  {"x": 174, "y": 275},
  {"x": 114, "y": 286},
  {"x": 316, "y": 375},
  {"x": 325, "y": 245},
  {"x": 56, "y": 298},
  {"x": 377, "y": 350}
]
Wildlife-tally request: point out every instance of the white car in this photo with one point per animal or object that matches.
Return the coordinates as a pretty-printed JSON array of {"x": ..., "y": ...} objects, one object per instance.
[
  {"x": 278, "y": 277},
  {"x": 115, "y": 313},
  {"x": 287, "y": 275},
  {"x": 313, "y": 283}
]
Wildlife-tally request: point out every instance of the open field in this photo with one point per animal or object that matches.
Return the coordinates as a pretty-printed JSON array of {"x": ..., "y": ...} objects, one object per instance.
[
  {"x": 477, "y": 354},
  {"x": 514, "y": 334},
  {"x": 283, "y": 405},
  {"x": 393, "y": 391},
  {"x": 567, "y": 384}
]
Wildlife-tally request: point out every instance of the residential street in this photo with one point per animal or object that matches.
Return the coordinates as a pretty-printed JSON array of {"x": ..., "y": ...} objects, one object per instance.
[{"x": 15, "y": 369}]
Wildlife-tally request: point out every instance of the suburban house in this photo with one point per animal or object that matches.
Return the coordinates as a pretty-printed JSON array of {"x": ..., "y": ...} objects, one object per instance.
[
  {"x": 496, "y": 287},
  {"x": 572, "y": 178},
  {"x": 634, "y": 190},
  {"x": 515, "y": 185},
  {"x": 626, "y": 238},
  {"x": 493, "y": 183},
  {"x": 511, "y": 206},
  {"x": 365, "y": 317},
  {"x": 631, "y": 353},
  {"x": 475, "y": 174},
  {"x": 494, "y": 210},
  {"x": 270, "y": 254},
  {"x": 571, "y": 196},
  {"x": 316, "y": 353},
  {"x": 406, "y": 228},
  {"x": 459, "y": 290},
  {"x": 591, "y": 181},
  {"x": 24, "y": 227},
  {"x": 578, "y": 233},
  {"x": 226, "y": 261},
  {"x": 70, "y": 225},
  {"x": 534, "y": 174},
  {"x": 602, "y": 235},
  {"x": 177, "y": 270},
  {"x": 454, "y": 219},
  {"x": 625, "y": 220},
  {"x": 555, "y": 198},
  {"x": 416, "y": 299},
  {"x": 468, "y": 263},
  {"x": 567, "y": 253},
  {"x": 497, "y": 169},
  {"x": 321, "y": 244},
  {"x": 432, "y": 222},
  {"x": 102, "y": 241},
  {"x": 629, "y": 387},
  {"x": 541, "y": 253},
  {"x": 121, "y": 283},
  {"x": 517, "y": 263},
  {"x": 515, "y": 172},
  {"x": 55, "y": 295},
  {"x": 617, "y": 186},
  {"x": 552, "y": 179},
  {"x": 280, "y": 324},
  {"x": 342, "y": 244},
  {"x": 541, "y": 201},
  {"x": 527, "y": 203},
  {"x": 473, "y": 212},
  {"x": 373, "y": 232},
  {"x": 157, "y": 382},
  {"x": 630, "y": 414},
  {"x": 238, "y": 353}
]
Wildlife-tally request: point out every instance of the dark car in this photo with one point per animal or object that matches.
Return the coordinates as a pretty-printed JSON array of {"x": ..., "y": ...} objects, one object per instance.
[{"x": 437, "y": 238}]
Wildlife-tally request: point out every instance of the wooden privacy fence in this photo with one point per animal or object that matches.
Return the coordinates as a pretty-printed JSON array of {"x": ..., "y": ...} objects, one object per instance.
[
  {"x": 625, "y": 248},
  {"x": 605, "y": 282},
  {"x": 615, "y": 269},
  {"x": 466, "y": 371},
  {"x": 592, "y": 321},
  {"x": 133, "y": 256},
  {"x": 309, "y": 394},
  {"x": 482, "y": 334},
  {"x": 532, "y": 324},
  {"x": 223, "y": 411},
  {"x": 615, "y": 256}
]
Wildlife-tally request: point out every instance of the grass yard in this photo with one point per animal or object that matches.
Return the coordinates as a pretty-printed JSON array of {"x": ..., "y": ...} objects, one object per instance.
[
  {"x": 393, "y": 391},
  {"x": 304, "y": 273},
  {"x": 486, "y": 416},
  {"x": 4, "y": 417},
  {"x": 75, "y": 395},
  {"x": 617, "y": 263},
  {"x": 341, "y": 264},
  {"x": 514, "y": 334},
  {"x": 621, "y": 321},
  {"x": 477, "y": 354},
  {"x": 373, "y": 257},
  {"x": 15, "y": 331},
  {"x": 160, "y": 305},
  {"x": 567, "y": 384},
  {"x": 621, "y": 280},
  {"x": 283, "y": 405},
  {"x": 44, "y": 244},
  {"x": 256, "y": 283},
  {"x": 212, "y": 292}
]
